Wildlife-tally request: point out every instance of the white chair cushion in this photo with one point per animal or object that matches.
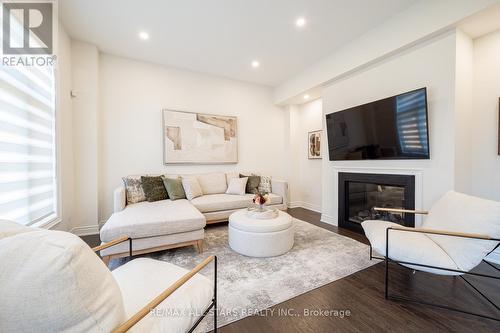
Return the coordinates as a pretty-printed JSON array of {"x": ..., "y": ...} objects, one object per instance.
[
  {"x": 408, "y": 246},
  {"x": 51, "y": 281},
  {"x": 141, "y": 280},
  {"x": 191, "y": 187},
  {"x": 237, "y": 186},
  {"x": 463, "y": 213},
  {"x": 212, "y": 183},
  {"x": 221, "y": 202},
  {"x": 147, "y": 219},
  {"x": 10, "y": 228}
]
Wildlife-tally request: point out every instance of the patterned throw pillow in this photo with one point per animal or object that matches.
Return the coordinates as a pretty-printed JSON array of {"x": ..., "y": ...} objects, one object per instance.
[
  {"x": 133, "y": 189},
  {"x": 154, "y": 188},
  {"x": 265, "y": 184},
  {"x": 252, "y": 183}
]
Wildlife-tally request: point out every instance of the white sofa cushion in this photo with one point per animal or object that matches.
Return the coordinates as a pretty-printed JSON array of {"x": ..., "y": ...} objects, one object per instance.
[
  {"x": 408, "y": 246},
  {"x": 212, "y": 183},
  {"x": 51, "y": 281},
  {"x": 231, "y": 175},
  {"x": 191, "y": 187},
  {"x": 146, "y": 219},
  {"x": 464, "y": 213},
  {"x": 222, "y": 202},
  {"x": 141, "y": 280}
]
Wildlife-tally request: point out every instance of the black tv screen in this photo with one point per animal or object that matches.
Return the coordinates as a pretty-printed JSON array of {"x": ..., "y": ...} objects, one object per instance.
[{"x": 391, "y": 128}]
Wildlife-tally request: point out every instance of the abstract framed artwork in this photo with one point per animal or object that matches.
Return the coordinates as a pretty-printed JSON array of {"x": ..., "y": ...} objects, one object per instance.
[
  {"x": 199, "y": 138},
  {"x": 314, "y": 145}
]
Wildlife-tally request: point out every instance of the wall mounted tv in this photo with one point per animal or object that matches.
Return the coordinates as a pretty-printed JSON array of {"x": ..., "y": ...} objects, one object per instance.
[{"x": 393, "y": 128}]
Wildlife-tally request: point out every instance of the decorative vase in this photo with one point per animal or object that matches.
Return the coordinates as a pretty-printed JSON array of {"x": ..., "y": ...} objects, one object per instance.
[{"x": 261, "y": 208}]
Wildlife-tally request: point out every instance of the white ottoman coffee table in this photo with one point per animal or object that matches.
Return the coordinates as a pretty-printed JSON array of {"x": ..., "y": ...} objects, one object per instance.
[{"x": 255, "y": 237}]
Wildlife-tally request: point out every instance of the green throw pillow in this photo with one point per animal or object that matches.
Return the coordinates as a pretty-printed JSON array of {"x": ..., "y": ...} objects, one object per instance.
[
  {"x": 252, "y": 184},
  {"x": 174, "y": 188},
  {"x": 154, "y": 190}
]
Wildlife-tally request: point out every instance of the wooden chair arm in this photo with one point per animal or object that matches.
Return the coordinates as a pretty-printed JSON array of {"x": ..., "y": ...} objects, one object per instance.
[
  {"x": 443, "y": 233},
  {"x": 112, "y": 243},
  {"x": 161, "y": 297},
  {"x": 398, "y": 210}
]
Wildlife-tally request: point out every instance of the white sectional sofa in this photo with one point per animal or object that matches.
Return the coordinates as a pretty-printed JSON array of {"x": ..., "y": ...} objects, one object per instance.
[{"x": 160, "y": 225}]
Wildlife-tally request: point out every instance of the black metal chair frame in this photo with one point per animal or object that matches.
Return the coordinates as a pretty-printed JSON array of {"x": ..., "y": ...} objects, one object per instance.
[
  {"x": 213, "y": 304},
  {"x": 388, "y": 260}
]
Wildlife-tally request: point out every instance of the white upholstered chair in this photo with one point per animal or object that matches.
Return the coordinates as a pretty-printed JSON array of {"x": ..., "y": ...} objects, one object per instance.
[
  {"x": 458, "y": 233},
  {"x": 51, "y": 281}
]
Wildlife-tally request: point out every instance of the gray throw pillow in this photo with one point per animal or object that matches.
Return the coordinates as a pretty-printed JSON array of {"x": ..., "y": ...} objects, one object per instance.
[
  {"x": 154, "y": 190},
  {"x": 174, "y": 188},
  {"x": 252, "y": 183}
]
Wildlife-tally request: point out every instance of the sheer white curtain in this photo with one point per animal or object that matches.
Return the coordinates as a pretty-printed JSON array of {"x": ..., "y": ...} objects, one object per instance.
[{"x": 27, "y": 144}]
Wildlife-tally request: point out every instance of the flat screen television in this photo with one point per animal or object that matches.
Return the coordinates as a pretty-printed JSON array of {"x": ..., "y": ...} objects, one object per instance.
[{"x": 393, "y": 128}]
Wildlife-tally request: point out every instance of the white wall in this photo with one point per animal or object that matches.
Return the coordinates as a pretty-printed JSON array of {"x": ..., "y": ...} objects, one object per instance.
[
  {"x": 464, "y": 73},
  {"x": 132, "y": 95},
  {"x": 85, "y": 67},
  {"x": 305, "y": 182},
  {"x": 430, "y": 65},
  {"x": 485, "y": 162},
  {"x": 484, "y": 159}
]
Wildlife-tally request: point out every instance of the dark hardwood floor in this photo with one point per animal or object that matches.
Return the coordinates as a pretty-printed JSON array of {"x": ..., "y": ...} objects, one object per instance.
[{"x": 360, "y": 306}]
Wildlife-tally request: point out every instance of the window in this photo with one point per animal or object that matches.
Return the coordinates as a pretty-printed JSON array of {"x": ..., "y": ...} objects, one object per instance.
[
  {"x": 412, "y": 123},
  {"x": 27, "y": 144}
]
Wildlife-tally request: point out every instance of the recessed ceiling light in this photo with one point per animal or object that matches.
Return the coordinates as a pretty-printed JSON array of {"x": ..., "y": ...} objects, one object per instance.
[
  {"x": 300, "y": 22},
  {"x": 306, "y": 96},
  {"x": 143, "y": 35},
  {"x": 255, "y": 64}
]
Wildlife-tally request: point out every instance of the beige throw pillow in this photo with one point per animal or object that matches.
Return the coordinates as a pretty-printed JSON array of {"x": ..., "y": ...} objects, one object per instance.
[
  {"x": 212, "y": 183},
  {"x": 191, "y": 187},
  {"x": 237, "y": 186}
]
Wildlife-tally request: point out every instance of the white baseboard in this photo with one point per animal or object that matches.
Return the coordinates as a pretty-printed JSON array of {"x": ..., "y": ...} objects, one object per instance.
[
  {"x": 328, "y": 219},
  {"x": 306, "y": 205},
  {"x": 85, "y": 230}
]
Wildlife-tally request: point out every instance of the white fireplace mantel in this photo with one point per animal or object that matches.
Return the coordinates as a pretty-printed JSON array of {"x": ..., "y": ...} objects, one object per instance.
[{"x": 417, "y": 172}]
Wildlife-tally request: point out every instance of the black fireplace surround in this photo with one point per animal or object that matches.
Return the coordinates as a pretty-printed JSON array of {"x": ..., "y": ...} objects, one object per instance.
[{"x": 360, "y": 192}]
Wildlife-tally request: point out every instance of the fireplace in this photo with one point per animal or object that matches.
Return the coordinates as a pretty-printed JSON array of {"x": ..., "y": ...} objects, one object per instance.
[{"x": 360, "y": 192}]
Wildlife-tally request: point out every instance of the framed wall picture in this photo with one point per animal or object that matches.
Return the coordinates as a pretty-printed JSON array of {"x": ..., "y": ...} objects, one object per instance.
[
  {"x": 314, "y": 145},
  {"x": 199, "y": 138}
]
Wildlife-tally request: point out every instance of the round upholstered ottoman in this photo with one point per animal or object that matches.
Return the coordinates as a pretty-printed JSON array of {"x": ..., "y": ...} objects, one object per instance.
[{"x": 256, "y": 237}]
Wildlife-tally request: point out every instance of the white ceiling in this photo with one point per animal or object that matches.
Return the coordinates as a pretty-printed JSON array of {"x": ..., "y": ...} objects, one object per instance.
[
  {"x": 482, "y": 23},
  {"x": 222, "y": 37}
]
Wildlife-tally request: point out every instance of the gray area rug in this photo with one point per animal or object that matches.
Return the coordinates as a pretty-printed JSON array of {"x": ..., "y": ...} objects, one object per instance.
[{"x": 247, "y": 285}]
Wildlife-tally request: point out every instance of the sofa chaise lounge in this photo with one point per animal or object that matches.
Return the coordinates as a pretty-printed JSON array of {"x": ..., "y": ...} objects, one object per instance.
[{"x": 166, "y": 224}]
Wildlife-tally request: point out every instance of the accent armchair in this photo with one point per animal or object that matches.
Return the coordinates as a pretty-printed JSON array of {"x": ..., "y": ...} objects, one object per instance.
[
  {"x": 51, "y": 281},
  {"x": 457, "y": 235}
]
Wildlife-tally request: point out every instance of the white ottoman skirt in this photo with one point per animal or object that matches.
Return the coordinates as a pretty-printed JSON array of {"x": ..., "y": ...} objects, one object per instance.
[{"x": 260, "y": 238}]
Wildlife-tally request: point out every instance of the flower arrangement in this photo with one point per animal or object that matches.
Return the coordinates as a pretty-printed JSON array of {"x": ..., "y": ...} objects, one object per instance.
[{"x": 260, "y": 199}]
